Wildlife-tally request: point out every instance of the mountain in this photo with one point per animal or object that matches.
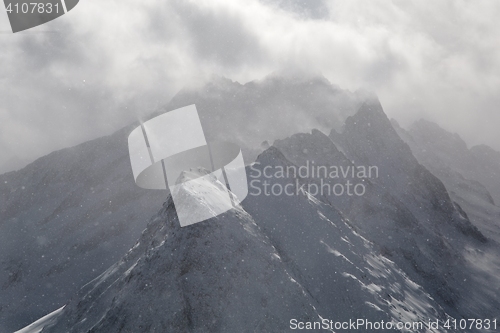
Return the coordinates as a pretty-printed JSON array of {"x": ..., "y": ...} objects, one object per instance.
[
  {"x": 470, "y": 176},
  {"x": 12, "y": 163},
  {"x": 396, "y": 245},
  {"x": 64, "y": 219},
  {"x": 175, "y": 278},
  {"x": 251, "y": 269},
  {"x": 448, "y": 155},
  {"x": 248, "y": 114},
  {"x": 406, "y": 211},
  {"x": 69, "y": 215}
]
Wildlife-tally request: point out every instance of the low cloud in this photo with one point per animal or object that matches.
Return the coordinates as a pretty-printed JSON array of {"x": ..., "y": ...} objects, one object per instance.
[{"x": 108, "y": 62}]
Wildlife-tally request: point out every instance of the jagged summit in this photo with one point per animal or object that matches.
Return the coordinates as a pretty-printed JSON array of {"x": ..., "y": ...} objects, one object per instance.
[
  {"x": 250, "y": 269},
  {"x": 294, "y": 76},
  {"x": 192, "y": 174},
  {"x": 273, "y": 108},
  {"x": 447, "y": 156},
  {"x": 432, "y": 133},
  {"x": 410, "y": 248},
  {"x": 221, "y": 275}
]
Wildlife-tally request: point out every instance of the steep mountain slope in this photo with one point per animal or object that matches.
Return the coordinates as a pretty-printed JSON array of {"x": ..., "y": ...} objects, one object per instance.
[
  {"x": 69, "y": 215},
  {"x": 470, "y": 175},
  {"x": 405, "y": 211},
  {"x": 350, "y": 256},
  {"x": 446, "y": 232},
  {"x": 406, "y": 250},
  {"x": 447, "y": 154},
  {"x": 64, "y": 219},
  {"x": 252, "y": 269}
]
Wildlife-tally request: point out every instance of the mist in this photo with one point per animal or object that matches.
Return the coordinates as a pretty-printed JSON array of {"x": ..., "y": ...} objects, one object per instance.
[{"x": 108, "y": 63}]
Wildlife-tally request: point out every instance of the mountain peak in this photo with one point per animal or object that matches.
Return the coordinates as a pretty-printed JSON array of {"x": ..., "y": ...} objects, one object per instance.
[
  {"x": 296, "y": 76},
  {"x": 433, "y": 133},
  {"x": 371, "y": 106},
  {"x": 193, "y": 173},
  {"x": 220, "y": 276}
]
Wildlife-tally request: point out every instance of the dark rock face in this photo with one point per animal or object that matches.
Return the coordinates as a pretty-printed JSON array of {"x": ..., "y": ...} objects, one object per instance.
[{"x": 412, "y": 247}]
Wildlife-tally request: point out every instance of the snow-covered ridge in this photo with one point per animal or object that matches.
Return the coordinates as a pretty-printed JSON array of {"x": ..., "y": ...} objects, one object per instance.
[
  {"x": 413, "y": 247},
  {"x": 247, "y": 271}
]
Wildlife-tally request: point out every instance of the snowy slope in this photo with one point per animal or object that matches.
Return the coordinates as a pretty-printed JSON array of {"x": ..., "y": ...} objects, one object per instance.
[
  {"x": 41, "y": 323},
  {"x": 409, "y": 249},
  {"x": 222, "y": 275},
  {"x": 470, "y": 175},
  {"x": 69, "y": 215},
  {"x": 63, "y": 220},
  {"x": 448, "y": 236},
  {"x": 249, "y": 270}
]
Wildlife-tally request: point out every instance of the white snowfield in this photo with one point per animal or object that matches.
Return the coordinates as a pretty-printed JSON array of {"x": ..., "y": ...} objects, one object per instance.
[{"x": 45, "y": 321}]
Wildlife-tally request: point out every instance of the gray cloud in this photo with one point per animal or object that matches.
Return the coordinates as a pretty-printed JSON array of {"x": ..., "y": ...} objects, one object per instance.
[
  {"x": 314, "y": 9},
  {"x": 108, "y": 62}
]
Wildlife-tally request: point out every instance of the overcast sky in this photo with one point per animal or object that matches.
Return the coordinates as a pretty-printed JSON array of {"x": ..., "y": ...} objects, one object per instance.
[{"x": 97, "y": 68}]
